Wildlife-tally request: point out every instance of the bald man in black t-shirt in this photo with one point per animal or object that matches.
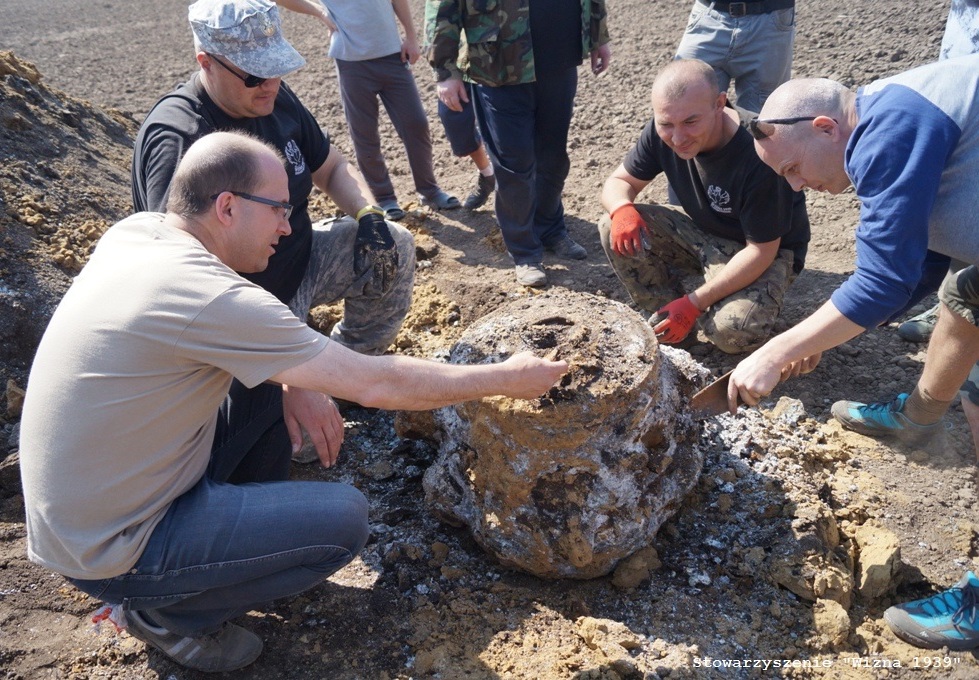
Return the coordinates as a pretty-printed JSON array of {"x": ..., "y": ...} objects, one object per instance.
[{"x": 743, "y": 228}]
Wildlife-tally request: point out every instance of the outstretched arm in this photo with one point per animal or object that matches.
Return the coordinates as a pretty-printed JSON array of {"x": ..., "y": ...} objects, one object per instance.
[
  {"x": 313, "y": 9},
  {"x": 795, "y": 351},
  {"x": 407, "y": 383}
]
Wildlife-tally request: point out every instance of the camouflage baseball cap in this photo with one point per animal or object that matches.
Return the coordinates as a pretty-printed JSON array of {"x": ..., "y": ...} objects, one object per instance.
[{"x": 247, "y": 33}]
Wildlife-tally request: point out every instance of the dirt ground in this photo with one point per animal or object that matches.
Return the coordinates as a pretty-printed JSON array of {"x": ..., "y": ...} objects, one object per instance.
[{"x": 764, "y": 560}]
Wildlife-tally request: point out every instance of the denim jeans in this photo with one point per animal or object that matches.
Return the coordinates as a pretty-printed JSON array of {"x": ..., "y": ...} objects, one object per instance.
[
  {"x": 225, "y": 548},
  {"x": 755, "y": 50},
  {"x": 525, "y": 130}
]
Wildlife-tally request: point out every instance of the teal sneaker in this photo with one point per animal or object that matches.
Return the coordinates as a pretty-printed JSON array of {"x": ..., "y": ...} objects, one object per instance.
[
  {"x": 883, "y": 419},
  {"x": 947, "y": 619}
]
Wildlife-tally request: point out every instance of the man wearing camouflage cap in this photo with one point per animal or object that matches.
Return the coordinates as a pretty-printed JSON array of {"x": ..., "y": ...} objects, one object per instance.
[{"x": 364, "y": 261}]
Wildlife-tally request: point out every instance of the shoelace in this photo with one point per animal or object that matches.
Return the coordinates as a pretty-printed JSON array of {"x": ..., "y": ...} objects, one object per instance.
[
  {"x": 966, "y": 613},
  {"x": 882, "y": 411}
]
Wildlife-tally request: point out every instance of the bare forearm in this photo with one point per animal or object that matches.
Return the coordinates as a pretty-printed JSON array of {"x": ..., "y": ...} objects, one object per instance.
[
  {"x": 741, "y": 271},
  {"x": 759, "y": 373},
  {"x": 824, "y": 329},
  {"x": 398, "y": 382},
  {"x": 403, "y": 12},
  {"x": 341, "y": 181},
  {"x": 310, "y": 7},
  {"x": 418, "y": 385},
  {"x": 616, "y": 193}
]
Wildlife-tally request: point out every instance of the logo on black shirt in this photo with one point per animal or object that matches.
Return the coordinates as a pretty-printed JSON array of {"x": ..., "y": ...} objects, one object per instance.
[
  {"x": 719, "y": 199},
  {"x": 295, "y": 157}
]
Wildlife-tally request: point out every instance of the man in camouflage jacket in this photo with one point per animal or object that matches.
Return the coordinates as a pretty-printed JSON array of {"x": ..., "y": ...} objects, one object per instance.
[{"x": 519, "y": 64}]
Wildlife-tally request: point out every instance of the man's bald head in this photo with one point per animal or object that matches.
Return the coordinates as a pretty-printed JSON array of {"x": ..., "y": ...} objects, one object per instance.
[
  {"x": 682, "y": 76},
  {"x": 806, "y": 143},
  {"x": 220, "y": 161},
  {"x": 805, "y": 97}
]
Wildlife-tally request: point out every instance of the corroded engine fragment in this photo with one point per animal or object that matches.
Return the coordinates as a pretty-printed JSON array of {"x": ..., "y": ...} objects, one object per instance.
[{"x": 569, "y": 484}]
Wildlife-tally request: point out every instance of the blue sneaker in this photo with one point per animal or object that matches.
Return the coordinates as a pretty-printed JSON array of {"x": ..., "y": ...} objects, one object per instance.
[
  {"x": 883, "y": 419},
  {"x": 947, "y": 619}
]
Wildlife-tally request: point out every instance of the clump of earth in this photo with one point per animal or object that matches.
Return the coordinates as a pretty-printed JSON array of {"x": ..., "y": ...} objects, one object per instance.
[{"x": 790, "y": 545}]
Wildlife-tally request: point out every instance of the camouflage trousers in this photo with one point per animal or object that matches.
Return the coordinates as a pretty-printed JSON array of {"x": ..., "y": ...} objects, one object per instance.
[
  {"x": 372, "y": 315},
  {"x": 741, "y": 322}
]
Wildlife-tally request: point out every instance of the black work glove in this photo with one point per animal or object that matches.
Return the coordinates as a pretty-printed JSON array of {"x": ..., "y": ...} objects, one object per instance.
[{"x": 375, "y": 249}]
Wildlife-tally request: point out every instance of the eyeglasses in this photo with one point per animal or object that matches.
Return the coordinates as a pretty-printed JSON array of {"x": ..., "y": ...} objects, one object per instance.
[
  {"x": 249, "y": 80},
  {"x": 756, "y": 131},
  {"x": 286, "y": 207}
]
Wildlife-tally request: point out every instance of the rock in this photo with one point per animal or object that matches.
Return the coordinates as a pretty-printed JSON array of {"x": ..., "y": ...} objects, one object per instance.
[
  {"x": 415, "y": 425},
  {"x": 612, "y": 637},
  {"x": 879, "y": 560},
  {"x": 569, "y": 484},
  {"x": 379, "y": 471},
  {"x": 814, "y": 576},
  {"x": 636, "y": 568},
  {"x": 831, "y": 620},
  {"x": 425, "y": 247},
  {"x": 789, "y": 410},
  {"x": 15, "y": 399},
  {"x": 13, "y": 439}
]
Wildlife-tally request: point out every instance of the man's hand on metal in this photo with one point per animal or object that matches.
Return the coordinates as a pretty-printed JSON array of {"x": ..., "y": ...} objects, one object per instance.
[
  {"x": 317, "y": 414},
  {"x": 375, "y": 247},
  {"x": 673, "y": 322},
  {"x": 628, "y": 230}
]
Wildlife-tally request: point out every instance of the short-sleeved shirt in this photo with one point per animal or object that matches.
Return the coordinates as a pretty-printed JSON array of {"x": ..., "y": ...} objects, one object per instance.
[
  {"x": 123, "y": 395},
  {"x": 728, "y": 192},
  {"x": 366, "y": 29},
  {"x": 187, "y": 114}
]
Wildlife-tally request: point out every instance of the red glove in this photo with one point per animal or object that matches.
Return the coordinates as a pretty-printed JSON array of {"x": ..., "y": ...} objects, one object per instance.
[
  {"x": 673, "y": 322},
  {"x": 627, "y": 229}
]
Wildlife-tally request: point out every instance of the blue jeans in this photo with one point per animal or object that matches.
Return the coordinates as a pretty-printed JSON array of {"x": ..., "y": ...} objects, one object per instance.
[
  {"x": 525, "y": 130},
  {"x": 225, "y": 548},
  {"x": 755, "y": 50}
]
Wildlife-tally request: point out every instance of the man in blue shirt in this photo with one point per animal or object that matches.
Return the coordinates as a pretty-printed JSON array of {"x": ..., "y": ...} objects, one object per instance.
[{"x": 909, "y": 145}]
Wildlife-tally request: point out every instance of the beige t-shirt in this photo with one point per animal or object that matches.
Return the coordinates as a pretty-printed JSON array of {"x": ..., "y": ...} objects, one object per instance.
[{"x": 123, "y": 395}]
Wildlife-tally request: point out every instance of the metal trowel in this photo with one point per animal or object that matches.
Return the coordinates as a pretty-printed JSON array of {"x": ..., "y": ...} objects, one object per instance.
[{"x": 712, "y": 400}]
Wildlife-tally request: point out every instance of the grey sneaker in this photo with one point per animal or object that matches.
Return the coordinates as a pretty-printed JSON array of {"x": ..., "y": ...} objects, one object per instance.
[
  {"x": 532, "y": 275},
  {"x": 392, "y": 211},
  {"x": 485, "y": 186},
  {"x": 229, "y": 649},
  {"x": 567, "y": 249},
  {"x": 440, "y": 201},
  {"x": 919, "y": 328}
]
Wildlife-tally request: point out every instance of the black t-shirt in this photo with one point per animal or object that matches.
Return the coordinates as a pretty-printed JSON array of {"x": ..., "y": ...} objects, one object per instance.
[
  {"x": 555, "y": 30},
  {"x": 729, "y": 192},
  {"x": 188, "y": 113}
]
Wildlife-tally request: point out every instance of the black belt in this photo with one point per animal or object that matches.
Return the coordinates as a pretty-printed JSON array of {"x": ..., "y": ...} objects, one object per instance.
[{"x": 740, "y": 9}]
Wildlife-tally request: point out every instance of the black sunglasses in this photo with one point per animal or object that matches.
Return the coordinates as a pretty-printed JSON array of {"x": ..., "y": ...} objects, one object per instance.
[
  {"x": 756, "y": 131},
  {"x": 249, "y": 80},
  {"x": 286, "y": 207}
]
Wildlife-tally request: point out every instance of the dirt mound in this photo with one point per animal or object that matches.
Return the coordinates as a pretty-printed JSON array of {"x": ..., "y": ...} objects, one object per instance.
[{"x": 63, "y": 180}]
